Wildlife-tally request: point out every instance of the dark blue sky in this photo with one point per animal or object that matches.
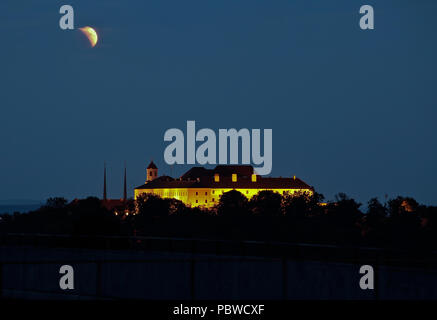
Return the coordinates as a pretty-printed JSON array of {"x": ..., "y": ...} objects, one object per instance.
[{"x": 351, "y": 111}]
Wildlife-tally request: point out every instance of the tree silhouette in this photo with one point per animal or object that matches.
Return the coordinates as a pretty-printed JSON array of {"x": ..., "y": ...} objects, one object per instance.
[
  {"x": 401, "y": 205},
  {"x": 150, "y": 205},
  {"x": 376, "y": 213},
  {"x": 300, "y": 205},
  {"x": 297, "y": 217},
  {"x": 56, "y": 202},
  {"x": 176, "y": 207},
  {"x": 232, "y": 204},
  {"x": 266, "y": 204},
  {"x": 344, "y": 212},
  {"x": 404, "y": 223},
  {"x": 372, "y": 223},
  {"x": 91, "y": 218}
]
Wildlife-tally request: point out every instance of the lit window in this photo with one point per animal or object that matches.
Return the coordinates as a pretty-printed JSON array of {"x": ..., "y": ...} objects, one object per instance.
[
  {"x": 216, "y": 177},
  {"x": 254, "y": 178},
  {"x": 234, "y": 177}
]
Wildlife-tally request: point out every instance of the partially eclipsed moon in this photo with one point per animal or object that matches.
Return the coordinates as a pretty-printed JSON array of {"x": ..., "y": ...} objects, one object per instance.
[{"x": 91, "y": 34}]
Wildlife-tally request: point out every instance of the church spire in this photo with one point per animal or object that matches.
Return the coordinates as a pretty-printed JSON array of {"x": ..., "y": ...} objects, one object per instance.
[
  {"x": 125, "y": 189},
  {"x": 104, "y": 182}
]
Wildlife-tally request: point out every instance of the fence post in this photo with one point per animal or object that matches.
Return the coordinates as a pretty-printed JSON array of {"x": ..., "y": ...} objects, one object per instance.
[
  {"x": 192, "y": 278},
  {"x": 284, "y": 279},
  {"x": 376, "y": 278},
  {"x": 98, "y": 279},
  {"x": 1, "y": 280}
]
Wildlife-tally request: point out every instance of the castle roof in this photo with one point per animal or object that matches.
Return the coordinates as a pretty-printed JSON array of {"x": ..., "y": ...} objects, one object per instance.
[
  {"x": 201, "y": 172},
  {"x": 240, "y": 170},
  {"x": 111, "y": 204},
  {"x": 199, "y": 177},
  {"x": 152, "y": 166}
]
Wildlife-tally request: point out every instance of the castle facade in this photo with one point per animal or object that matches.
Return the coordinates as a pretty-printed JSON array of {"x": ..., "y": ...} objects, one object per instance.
[{"x": 203, "y": 187}]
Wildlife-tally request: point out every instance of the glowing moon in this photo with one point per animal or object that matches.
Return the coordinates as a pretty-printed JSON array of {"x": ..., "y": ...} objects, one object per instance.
[{"x": 91, "y": 34}]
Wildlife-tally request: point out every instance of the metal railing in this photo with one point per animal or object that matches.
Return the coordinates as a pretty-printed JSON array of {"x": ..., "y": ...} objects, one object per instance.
[
  {"x": 205, "y": 250},
  {"x": 99, "y": 282},
  {"x": 297, "y": 251}
]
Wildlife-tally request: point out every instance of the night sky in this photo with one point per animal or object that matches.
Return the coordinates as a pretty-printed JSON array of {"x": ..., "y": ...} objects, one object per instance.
[{"x": 351, "y": 111}]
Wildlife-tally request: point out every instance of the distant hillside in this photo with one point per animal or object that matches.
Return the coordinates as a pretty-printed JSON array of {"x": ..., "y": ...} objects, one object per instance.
[
  {"x": 20, "y": 202},
  {"x": 19, "y": 205}
]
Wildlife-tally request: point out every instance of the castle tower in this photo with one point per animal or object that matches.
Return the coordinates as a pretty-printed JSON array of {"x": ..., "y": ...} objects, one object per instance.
[{"x": 152, "y": 172}]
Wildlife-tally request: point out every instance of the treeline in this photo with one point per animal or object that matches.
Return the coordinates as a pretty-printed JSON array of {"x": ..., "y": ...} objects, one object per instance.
[{"x": 399, "y": 223}]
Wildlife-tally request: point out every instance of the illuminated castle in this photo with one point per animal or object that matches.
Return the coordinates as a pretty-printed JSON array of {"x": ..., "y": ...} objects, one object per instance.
[{"x": 203, "y": 187}]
